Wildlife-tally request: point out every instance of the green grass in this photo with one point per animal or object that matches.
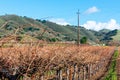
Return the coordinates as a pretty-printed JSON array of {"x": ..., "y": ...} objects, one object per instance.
[
  {"x": 112, "y": 74},
  {"x": 117, "y": 36}
]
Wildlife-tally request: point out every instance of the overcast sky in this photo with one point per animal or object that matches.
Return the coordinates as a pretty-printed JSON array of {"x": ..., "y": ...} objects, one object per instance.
[{"x": 94, "y": 14}]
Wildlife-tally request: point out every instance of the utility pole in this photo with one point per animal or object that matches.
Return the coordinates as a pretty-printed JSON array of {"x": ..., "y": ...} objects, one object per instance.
[{"x": 78, "y": 31}]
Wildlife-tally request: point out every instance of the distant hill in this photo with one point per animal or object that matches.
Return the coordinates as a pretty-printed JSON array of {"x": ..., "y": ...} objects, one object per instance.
[
  {"x": 101, "y": 33},
  {"x": 108, "y": 36},
  {"x": 17, "y": 25},
  {"x": 116, "y": 36},
  {"x": 70, "y": 32},
  {"x": 36, "y": 29}
]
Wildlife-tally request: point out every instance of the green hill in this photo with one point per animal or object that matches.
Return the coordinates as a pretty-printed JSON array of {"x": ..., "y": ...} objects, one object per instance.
[
  {"x": 45, "y": 30},
  {"x": 70, "y": 32},
  {"x": 18, "y": 25},
  {"x": 108, "y": 36},
  {"x": 117, "y": 36}
]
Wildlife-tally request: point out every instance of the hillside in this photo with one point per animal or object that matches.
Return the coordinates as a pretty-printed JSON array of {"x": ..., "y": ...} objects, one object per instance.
[
  {"x": 18, "y": 25},
  {"x": 117, "y": 36},
  {"x": 108, "y": 36},
  {"x": 35, "y": 29},
  {"x": 70, "y": 32}
]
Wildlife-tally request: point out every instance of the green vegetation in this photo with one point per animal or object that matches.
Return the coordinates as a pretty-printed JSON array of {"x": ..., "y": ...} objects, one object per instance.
[
  {"x": 112, "y": 74},
  {"x": 53, "y": 39},
  {"x": 101, "y": 34},
  {"x": 32, "y": 29},
  {"x": 83, "y": 40},
  {"x": 41, "y": 29},
  {"x": 46, "y": 30},
  {"x": 109, "y": 35},
  {"x": 117, "y": 36},
  {"x": 70, "y": 32}
]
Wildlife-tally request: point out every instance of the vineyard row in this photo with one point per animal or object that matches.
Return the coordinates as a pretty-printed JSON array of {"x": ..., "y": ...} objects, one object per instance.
[{"x": 54, "y": 62}]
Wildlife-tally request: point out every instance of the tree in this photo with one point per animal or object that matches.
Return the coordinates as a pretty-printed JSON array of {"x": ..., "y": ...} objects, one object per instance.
[
  {"x": 83, "y": 40},
  {"x": 53, "y": 39},
  {"x": 44, "y": 21}
]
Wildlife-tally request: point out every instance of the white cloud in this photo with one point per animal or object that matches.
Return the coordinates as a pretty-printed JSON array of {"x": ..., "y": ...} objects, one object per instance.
[
  {"x": 92, "y": 10},
  {"x": 111, "y": 24},
  {"x": 59, "y": 21}
]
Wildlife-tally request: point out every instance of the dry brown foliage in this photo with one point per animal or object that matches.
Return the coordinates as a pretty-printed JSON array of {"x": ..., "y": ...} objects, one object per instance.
[{"x": 28, "y": 61}]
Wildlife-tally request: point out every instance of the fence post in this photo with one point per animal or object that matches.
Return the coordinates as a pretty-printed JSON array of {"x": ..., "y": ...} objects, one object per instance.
[
  {"x": 67, "y": 72},
  {"x": 84, "y": 73},
  {"x": 75, "y": 72},
  {"x": 89, "y": 71},
  {"x": 42, "y": 77},
  {"x": 70, "y": 75},
  {"x": 59, "y": 74},
  {"x": 79, "y": 77}
]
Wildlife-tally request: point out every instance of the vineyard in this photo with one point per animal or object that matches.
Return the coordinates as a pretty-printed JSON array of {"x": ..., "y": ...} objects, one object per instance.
[{"x": 33, "y": 62}]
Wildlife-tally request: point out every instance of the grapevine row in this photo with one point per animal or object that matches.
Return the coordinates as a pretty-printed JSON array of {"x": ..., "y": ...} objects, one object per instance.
[{"x": 54, "y": 62}]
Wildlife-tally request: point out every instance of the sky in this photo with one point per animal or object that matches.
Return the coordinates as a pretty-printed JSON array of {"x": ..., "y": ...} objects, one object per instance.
[{"x": 94, "y": 14}]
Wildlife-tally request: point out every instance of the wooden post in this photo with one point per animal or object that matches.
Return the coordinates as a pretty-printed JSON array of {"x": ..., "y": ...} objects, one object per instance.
[
  {"x": 70, "y": 75},
  {"x": 78, "y": 32},
  {"x": 75, "y": 72},
  {"x": 42, "y": 77},
  {"x": 59, "y": 74},
  {"x": 79, "y": 76},
  {"x": 89, "y": 71},
  {"x": 84, "y": 73},
  {"x": 67, "y": 72}
]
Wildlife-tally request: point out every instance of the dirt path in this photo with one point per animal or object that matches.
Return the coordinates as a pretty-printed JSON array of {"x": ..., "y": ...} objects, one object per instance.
[{"x": 118, "y": 68}]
